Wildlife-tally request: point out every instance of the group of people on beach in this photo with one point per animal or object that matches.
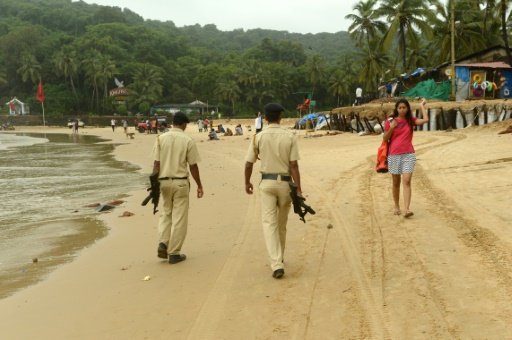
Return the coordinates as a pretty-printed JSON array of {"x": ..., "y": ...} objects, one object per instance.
[{"x": 277, "y": 149}]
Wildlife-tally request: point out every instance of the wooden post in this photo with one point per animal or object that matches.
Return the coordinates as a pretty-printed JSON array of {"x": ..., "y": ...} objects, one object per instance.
[
  {"x": 429, "y": 113},
  {"x": 338, "y": 121},
  {"x": 327, "y": 121},
  {"x": 358, "y": 123},
  {"x": 348, "y": 127},
  {"x": 464, "y": 121},
  {"x": 368, "y": 125},
  {"x": 451, "y": 117},
  {"x": 444, "y": 124}
]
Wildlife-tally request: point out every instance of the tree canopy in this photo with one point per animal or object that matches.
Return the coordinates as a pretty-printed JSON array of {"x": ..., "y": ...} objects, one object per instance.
[{"x": 77, "y": 49}]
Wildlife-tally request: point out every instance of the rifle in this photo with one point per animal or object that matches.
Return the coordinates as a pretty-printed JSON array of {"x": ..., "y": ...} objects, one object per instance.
[
  {"x": 299, "y": 207},
  {"x": 154, "y": 192}
]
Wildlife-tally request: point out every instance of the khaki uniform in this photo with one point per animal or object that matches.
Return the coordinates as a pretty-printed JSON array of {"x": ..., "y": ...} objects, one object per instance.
[
  {"x": 174, "y": 150},
  {"x": 276, "y": 147}
]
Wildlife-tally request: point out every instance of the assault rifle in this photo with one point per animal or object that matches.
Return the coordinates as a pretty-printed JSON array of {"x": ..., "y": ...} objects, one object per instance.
[
  {"x": 154, "y": 192},
  {"x": 299, "y": 207}
]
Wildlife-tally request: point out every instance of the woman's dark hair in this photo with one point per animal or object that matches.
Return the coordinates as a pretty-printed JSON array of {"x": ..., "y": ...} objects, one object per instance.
[{"x": 408, "y": 115}]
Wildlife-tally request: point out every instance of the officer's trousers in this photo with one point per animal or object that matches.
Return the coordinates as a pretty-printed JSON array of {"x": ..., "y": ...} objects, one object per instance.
[
  {"x": 275, "y": 206},
  {"x": 172, "y": 227}
]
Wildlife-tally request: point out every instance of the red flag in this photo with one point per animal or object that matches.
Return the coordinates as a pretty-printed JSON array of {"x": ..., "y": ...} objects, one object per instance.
[{"x": 40, "y": 92}]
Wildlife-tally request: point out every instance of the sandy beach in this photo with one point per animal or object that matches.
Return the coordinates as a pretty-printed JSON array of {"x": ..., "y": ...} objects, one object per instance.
[{"x": 353, "y": 271}]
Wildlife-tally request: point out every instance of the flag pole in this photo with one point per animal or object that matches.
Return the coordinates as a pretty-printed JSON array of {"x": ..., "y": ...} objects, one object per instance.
[{"x": 44, "y": 122}]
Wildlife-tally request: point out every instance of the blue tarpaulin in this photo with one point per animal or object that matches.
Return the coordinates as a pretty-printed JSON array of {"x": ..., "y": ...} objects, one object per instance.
[{"x": 316, "y": 119}]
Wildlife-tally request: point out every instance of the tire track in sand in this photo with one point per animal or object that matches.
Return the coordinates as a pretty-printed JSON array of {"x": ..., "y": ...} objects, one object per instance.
[
  {"x": 496, "y": 255},
  {"x": 209, "y": 315},
  {"x": 390, "y": 238},
  {"x": 393, "y": 250},
  {"x": 371, "y": 305}
]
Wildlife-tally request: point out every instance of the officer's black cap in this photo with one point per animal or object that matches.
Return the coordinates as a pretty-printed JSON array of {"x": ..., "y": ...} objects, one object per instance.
[
  {"x": 180, "y": 118},
  {"x": 274, "y": 107}
]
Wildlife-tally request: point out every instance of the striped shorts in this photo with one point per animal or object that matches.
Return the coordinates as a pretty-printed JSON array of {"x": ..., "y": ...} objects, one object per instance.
[{"x": 401, "y": 164}]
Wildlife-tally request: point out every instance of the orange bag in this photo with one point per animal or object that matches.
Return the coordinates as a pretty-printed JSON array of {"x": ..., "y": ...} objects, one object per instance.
[{"x": 382, "y": 157}]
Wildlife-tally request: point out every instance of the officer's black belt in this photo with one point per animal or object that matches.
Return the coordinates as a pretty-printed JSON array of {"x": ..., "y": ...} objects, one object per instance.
[
  {"x": 276, "y": 177},
  {"x": 166, "y": 178}
]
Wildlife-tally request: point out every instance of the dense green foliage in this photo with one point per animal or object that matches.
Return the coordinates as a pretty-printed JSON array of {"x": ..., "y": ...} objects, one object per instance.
[
  {"x": 397, "y": 36},
  {"x": 77, "y": 49}
]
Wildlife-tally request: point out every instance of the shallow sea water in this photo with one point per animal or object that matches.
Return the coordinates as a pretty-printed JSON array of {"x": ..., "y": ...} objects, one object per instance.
[{"x": 46, "y": 181}]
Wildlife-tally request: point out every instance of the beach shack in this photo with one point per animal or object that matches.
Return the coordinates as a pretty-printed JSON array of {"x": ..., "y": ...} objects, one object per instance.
[
  {"x": 17, "y": 107},
  {"x": 481, "y": 75},
  {"x": 483, "y": 80},
  {"x": 196, "y": 106}
]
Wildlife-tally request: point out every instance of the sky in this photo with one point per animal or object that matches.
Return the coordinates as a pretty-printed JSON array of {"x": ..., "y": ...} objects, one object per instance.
[{"x": 295, "y": 16}]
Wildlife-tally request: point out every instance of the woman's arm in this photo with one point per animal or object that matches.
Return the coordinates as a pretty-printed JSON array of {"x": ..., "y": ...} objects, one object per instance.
[
  {"x": 424, "y": 113},
  {"x": 392, "y": 125}
]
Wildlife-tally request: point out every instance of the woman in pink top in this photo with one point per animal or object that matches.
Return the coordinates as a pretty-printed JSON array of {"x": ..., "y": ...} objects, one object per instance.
[{"x": 401, "y": 158}]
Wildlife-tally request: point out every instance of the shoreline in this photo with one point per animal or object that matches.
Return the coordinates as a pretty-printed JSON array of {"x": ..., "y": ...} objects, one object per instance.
[
  {"x": 335, "y": 279},
  {"x": 74, "y": 231}
]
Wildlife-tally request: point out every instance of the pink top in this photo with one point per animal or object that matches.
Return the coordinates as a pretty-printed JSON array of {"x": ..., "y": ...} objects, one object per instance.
[{"x": 401, "y": 139}]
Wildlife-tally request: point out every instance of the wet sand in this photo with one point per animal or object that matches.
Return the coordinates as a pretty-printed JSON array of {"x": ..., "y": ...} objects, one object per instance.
[{"x": 353, "y": 271}]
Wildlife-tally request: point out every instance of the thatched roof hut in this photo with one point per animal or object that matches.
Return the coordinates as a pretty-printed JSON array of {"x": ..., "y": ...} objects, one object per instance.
[{"x": 382, "y": 107}]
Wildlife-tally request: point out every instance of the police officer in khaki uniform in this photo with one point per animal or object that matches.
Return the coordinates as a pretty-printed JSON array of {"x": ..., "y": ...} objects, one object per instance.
[
  {"x": 277, "y": 149},
  {"x": 172, "y": 152}
]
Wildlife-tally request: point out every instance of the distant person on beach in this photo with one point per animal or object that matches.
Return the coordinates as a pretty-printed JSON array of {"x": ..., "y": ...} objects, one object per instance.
[
  {"x": 401, "y": 158},
  {"x": 278, "y": 151},
  {"x": 213, "y": 135},
  {"x": 75, "y": 126},
  {"x": 206, "y": 124},
  {"x": 238, "y": 130},
  {"x": 113, "y": 124},
  {"x": 258, "y": 122},
  {"x": 304, "y": 107},
  {"x": 228, "y": 132},
  {"x": 172, "y": 152},
  {"x": 200, "y": 125},
  {"x": 359, "y": 96},
  {"x": 125, "y": 125}
]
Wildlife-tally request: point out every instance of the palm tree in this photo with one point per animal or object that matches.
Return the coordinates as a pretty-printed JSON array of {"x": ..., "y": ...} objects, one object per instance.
[
  {"x": 344, "y": 78},
  {"x": 67, "y": 64},
  {"x": 93, "y": 71},
  {"x": 419, "y": 57},
  {"x": 365, "y": 25},
  {"x": 230, "y": 91},
  {"x": 404, "y": 16},
  {"x": 503, "y": 5},
  {"x": 373, "y": 61},
  {"x": 338, "y": 85},
  {"x": 108, "y": 69},
  {"x": 468, "y": 31},
  {"x": 315, "y": 70},
  {"x": 253, "y": 76},
  {"x": 29, "y": 69},
  {"x": 146, "y": 87}
]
